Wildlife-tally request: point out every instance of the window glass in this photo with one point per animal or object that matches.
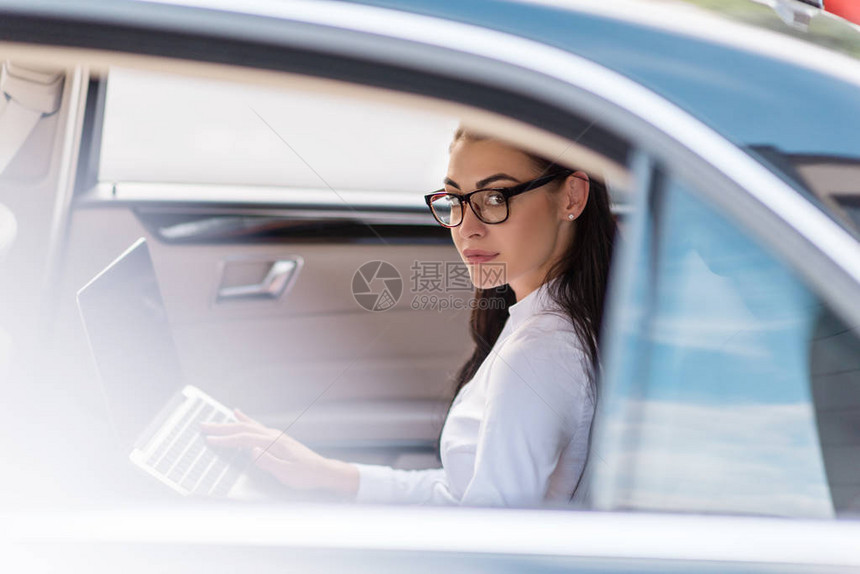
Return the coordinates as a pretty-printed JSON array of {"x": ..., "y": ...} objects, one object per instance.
[
  {"x": 721, "y": 350},
  {"x": 177, "y": 129}
]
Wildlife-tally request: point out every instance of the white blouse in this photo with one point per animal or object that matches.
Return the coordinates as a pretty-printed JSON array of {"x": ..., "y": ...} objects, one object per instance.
[{"x": 517, "y": 434}]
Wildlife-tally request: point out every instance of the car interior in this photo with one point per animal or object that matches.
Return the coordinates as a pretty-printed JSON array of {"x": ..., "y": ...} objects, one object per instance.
[{"x": 239, "y": 180}]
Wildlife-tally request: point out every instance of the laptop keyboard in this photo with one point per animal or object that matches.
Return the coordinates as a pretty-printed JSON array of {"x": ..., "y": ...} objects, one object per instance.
[{"x": 185, "y": 459}]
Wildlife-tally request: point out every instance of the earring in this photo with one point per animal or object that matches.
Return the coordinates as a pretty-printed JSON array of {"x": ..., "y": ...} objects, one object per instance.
[{"x": 570, "y": 216}]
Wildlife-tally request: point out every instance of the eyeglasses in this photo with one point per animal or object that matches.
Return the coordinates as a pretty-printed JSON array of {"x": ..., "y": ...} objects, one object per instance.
[{"x": 489, "y": 205}]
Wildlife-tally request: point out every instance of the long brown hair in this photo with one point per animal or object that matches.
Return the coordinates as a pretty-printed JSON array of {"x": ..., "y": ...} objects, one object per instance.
[{"x": 583, "y": 273}]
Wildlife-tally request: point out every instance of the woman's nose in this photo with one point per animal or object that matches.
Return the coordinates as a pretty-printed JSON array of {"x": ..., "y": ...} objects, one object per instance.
[{"x": 471, "y": 225}]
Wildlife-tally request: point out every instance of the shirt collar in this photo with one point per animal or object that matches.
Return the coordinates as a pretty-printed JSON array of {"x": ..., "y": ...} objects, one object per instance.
[{"x": 538, "y": 301}]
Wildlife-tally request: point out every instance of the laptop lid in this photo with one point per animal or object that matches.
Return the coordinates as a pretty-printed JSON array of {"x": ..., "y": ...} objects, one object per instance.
[{"x": 129, "y": 335}]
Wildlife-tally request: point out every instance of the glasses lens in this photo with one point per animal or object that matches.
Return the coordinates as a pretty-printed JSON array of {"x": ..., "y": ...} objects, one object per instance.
[
  {"x": 490, "y": 205},
  {"x": 447, "y": 209}
]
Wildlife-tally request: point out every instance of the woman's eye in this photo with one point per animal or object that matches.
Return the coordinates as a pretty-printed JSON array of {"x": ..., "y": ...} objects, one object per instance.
[{"x": 494, "y": 199}]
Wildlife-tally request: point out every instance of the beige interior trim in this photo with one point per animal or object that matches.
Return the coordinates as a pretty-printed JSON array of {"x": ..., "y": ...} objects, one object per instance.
[{"x": 77, "y": 82}]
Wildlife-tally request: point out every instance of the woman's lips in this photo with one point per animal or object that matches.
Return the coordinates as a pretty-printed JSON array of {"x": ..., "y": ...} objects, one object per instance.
[{"x": 477, "y": 256}]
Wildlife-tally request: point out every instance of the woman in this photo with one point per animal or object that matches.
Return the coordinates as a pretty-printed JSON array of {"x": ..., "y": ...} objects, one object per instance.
[{"x": 517, "y": 433}]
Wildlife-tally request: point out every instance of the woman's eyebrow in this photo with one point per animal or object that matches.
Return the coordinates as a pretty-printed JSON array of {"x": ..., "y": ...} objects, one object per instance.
[
  {"x": 484, "y": 182},
  {"x": 495, "y": 177}
]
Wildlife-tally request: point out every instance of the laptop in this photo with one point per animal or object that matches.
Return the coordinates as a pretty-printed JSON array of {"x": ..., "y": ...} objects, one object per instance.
[{"x": 155, "y": 415}]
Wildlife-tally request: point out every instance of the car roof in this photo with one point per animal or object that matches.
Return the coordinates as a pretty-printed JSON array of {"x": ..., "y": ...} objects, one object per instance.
[
  {"x": 755, "y": 87},
  {"x": 789, "y": 96}
]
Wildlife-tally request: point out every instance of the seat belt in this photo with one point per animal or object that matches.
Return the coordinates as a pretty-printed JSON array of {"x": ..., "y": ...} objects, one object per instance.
[{"x": 26, "y": 95}]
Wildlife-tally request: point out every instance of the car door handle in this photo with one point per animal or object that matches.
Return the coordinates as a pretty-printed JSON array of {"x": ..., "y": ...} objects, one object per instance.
[{"x": 281, "y": 274}]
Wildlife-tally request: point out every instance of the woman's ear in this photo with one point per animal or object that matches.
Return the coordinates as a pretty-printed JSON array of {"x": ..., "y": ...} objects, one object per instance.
[{"x": 575, "y": 195}]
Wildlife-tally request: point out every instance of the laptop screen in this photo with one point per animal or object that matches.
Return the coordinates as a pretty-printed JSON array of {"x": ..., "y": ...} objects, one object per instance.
[{"x": 129, "y": 335}]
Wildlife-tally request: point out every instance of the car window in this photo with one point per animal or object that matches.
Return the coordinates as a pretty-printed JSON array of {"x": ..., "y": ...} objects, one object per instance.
[
  {"x": 739, "y": 386},
  {"x": 832, "y": 179},
  {"x": 170, "y": 128},
  {"x": 339, "y": 357}
]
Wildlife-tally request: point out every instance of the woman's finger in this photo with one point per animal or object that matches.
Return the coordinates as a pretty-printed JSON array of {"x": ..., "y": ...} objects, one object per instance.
[
  {"x": 245, "y": 418},
  {"x": 265, "y": 460}
]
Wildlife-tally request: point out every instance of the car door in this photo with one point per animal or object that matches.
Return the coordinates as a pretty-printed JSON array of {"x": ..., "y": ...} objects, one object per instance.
[{"x": 517, "y": 89}]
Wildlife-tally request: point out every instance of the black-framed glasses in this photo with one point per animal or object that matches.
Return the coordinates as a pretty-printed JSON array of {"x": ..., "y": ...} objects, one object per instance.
[{"x": 489, "y": 205}]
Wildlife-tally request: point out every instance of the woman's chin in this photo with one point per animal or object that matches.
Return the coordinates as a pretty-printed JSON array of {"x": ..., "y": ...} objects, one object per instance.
[{"x": 487, "y": 276}]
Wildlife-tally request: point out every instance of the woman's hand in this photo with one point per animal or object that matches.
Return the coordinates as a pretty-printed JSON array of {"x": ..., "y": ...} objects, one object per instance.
[{"x": 291, "y": 462}]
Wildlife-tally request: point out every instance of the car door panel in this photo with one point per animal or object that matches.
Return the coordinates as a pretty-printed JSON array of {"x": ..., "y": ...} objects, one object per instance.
[{"x": 312, "y": 360}]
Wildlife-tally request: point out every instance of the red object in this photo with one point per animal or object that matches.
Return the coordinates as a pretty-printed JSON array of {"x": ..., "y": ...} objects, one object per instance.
[{"x": 848, "y": 9}]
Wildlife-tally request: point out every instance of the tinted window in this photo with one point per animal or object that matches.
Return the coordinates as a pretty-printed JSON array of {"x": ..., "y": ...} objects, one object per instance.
[{"x": 725, "y": 368}]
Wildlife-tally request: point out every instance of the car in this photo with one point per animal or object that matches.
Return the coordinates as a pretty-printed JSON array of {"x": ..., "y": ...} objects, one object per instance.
[
  {"x": 844, "y": 9},
  {"x": 274, "y": 157}
]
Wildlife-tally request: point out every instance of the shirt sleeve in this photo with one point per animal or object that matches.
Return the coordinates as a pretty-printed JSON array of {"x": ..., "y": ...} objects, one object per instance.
[
  {"x": 383, "y": 484},
  {"x": 538, "y": 395}
]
